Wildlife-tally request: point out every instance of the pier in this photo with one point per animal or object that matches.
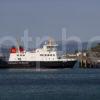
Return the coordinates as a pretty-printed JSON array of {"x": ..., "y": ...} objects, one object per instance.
[{"x": 87, "y": 61}]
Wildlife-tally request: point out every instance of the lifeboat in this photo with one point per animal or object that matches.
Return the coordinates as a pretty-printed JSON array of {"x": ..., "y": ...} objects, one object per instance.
[
  {"x": 21, "y": 49},
  {"x": 13, "y": 50}
]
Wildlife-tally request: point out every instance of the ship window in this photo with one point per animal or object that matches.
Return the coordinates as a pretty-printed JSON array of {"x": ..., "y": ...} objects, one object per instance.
[
  {"x": 50, "y": 54},
  {"x": 41, "y": 54},
  {"x": 53, "y": 54},
  {"x": 19, "y": 58}
]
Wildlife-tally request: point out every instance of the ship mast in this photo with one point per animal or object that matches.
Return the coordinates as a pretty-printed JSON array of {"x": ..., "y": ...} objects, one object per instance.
[{"x": 18, "y": 47}]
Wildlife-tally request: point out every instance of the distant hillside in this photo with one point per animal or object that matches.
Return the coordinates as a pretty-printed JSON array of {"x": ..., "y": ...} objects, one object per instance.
[
  {"x": 72, "y": 47},
  {"x": 96, "y": 48}
]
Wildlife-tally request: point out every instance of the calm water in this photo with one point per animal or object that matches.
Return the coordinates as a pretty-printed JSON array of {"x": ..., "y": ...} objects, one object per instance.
[{"x": 64, "y": 84}]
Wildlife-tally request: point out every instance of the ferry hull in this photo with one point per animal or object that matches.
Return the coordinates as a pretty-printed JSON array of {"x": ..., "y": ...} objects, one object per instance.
[{"x": 37, "y": 64}]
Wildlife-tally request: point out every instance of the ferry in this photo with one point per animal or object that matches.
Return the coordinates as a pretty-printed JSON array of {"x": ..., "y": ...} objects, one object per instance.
[{"x": 45, "y": 57}]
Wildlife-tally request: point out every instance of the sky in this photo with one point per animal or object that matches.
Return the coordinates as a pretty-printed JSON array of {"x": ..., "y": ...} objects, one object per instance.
[{"x": 81, "y": 18}]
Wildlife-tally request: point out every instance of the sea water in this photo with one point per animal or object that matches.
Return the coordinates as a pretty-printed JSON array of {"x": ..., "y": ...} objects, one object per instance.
[{"x": 60, "y": 84}]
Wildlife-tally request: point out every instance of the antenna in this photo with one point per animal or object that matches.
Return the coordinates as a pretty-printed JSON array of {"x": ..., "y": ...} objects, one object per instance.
[{"x": 51, "y": 41}]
